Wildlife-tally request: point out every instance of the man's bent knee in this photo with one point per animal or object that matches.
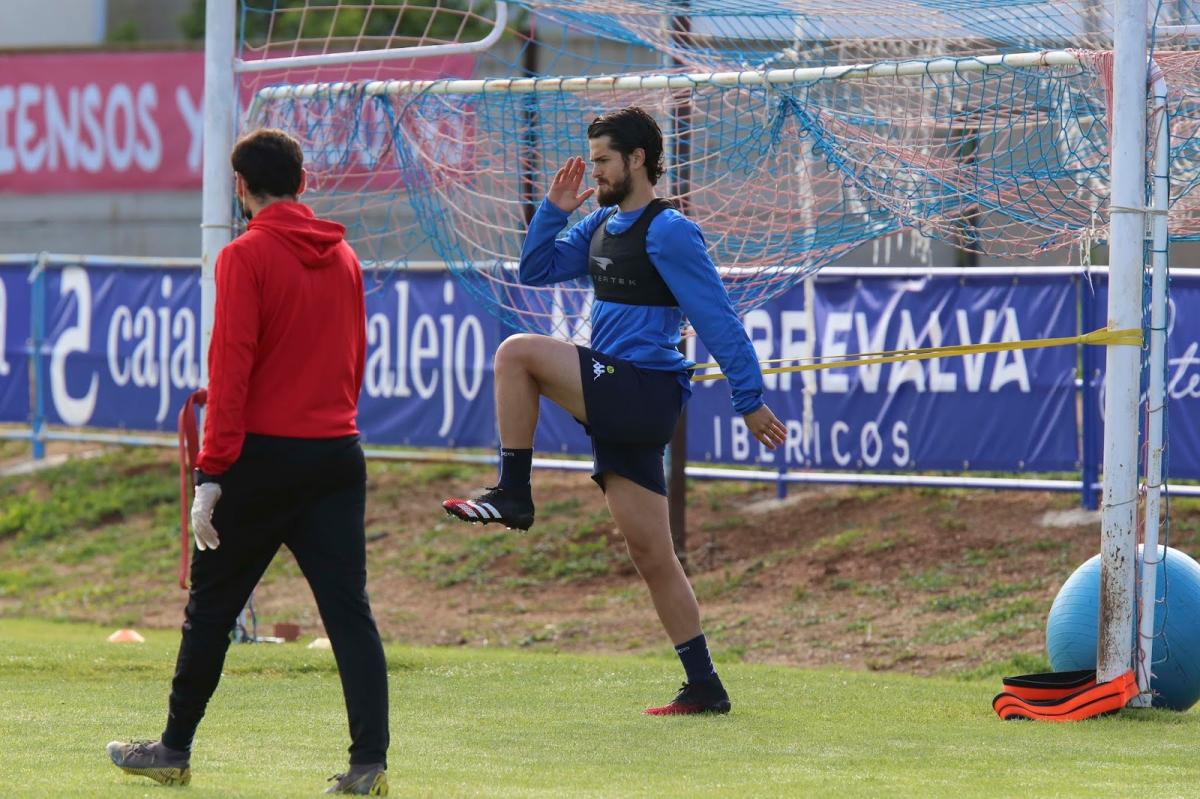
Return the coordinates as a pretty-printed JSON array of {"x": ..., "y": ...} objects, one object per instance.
[{"x": 518, "y": 350}]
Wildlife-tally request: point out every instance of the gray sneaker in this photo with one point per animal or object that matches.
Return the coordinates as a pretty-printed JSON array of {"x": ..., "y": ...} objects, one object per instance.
[
  {"x": 151, "y": 759},
  {"x": 368, "y": 779}
]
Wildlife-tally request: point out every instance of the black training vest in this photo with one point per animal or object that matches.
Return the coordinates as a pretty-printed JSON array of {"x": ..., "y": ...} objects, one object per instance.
[{"x": 620, "y": 268}]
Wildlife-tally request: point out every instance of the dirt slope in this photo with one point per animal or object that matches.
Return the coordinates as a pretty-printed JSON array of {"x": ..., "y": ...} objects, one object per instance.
[{"x": 917, "y": 580}]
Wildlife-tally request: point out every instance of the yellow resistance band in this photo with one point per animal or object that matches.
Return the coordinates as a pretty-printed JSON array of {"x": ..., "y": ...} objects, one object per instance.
[{"x": 1102, "y": 337}]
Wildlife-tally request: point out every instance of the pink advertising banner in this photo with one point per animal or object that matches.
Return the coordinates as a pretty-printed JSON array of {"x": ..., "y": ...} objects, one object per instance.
[
  {"x": 100, "y": 121},
  {"x": 78, "y": 122}
]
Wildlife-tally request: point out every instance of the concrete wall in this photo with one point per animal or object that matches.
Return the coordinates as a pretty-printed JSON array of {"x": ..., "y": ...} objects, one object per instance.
[
  {"x": 37, "y": 23},
  {"x": 159, "y": 223}
]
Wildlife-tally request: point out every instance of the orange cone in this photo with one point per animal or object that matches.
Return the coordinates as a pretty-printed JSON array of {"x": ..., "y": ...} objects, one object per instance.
[{"x": 126, "y": 636}]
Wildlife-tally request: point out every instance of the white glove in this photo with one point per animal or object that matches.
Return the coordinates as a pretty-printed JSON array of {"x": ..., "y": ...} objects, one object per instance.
[{"x": 203, "y": 503}]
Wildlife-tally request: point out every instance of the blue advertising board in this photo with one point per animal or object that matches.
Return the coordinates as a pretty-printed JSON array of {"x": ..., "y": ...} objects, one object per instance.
[
  {"x": 15, "y": 293},
  {"x": 121, "y": 345},
  {"x": 428, "y": 378},
  {"x": 1010, "y": 411},
  {"x": 1182, "y": 378},
  {"x": 120, "y": 348}
]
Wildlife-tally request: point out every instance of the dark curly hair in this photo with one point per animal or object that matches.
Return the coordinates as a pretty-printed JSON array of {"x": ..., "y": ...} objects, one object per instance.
[
  {"x": 270, "y": 161},
  {"x": 631, "y": 128}
]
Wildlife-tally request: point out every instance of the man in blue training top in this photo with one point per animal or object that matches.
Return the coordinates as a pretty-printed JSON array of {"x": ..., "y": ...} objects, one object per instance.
[{"x": 649, "y": 267}]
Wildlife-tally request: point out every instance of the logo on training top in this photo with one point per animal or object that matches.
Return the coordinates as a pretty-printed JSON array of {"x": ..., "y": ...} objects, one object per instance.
[
  {"x": 599, "y": 369},
  {"x": 603, "y": 263}
]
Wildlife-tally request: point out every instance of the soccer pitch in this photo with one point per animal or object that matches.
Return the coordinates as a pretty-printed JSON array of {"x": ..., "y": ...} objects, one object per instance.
[{"x": 469, "y": 722}]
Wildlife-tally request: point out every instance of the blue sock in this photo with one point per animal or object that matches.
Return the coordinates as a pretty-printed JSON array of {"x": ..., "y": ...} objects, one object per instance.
[
  {"x": 515, "y": 465},
  {"x": 695, "y": 658}
]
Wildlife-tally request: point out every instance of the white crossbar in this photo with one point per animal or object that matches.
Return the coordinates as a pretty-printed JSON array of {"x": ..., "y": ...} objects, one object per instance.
[{"x": 883, "y": 69}]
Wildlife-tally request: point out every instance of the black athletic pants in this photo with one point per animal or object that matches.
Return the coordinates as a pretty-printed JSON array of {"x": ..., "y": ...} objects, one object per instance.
[{"x": 309, "y": 494}]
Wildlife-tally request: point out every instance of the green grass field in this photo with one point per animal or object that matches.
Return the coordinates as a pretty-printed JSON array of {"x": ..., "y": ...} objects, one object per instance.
[{"x": 469, "y": 722}]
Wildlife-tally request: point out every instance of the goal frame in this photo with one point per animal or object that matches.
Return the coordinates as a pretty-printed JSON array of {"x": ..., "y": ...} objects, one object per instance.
[{"x": 1127, "y": 214}]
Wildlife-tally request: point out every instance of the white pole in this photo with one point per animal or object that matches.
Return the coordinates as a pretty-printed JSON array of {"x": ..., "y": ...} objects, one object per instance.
[
  {"x": 1114, "y": 644},
  {"x": 220, "y": 115},
  {"x": 1156, "y": 401}
]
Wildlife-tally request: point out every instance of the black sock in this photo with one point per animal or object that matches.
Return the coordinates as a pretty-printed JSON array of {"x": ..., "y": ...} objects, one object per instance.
[
  {"x": 695, "y": 658},
  {"x": 514, "y": 468}
]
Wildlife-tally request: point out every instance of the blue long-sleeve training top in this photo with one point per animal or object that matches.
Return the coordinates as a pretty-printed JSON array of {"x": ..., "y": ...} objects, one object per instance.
[{"x": 648, "y": 335}]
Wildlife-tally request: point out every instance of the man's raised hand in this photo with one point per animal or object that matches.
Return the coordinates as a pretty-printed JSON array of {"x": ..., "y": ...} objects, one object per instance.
[{"x": 564, "y": 190}]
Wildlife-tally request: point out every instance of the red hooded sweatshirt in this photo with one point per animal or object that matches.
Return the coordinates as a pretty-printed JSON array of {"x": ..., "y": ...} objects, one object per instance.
[{"x": 289, "y": 335}]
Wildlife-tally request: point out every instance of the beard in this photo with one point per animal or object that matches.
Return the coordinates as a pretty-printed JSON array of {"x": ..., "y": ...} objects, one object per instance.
[
  {"x": 246, "y": 213},
  {"x": 614, "y": 193}
]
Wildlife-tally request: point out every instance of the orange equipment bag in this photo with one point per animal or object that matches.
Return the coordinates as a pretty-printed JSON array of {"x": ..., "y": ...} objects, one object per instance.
[{"x": 1063, "y": 696}]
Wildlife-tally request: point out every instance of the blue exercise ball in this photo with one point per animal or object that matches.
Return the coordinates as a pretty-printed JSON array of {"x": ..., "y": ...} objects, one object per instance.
[{"x": 1071, "y": 628}]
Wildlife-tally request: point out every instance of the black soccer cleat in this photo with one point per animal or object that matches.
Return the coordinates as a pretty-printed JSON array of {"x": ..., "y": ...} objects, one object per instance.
[
  {"x": 512, "y": 508},
  {"x": 361, "y": 780},
  {"x": 703, "y": 696},
  {"x": 151, "y": 759}
]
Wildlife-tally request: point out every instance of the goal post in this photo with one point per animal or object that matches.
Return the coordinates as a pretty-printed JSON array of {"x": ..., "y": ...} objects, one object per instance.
[
  {"x": 1118, "y": 536},
  {"x": 220, "y": 128},
  {"x": 851, "y": 151}
]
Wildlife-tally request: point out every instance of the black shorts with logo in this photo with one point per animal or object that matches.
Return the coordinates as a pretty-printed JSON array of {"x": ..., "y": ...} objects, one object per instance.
[{"x": 632, "y": 413}]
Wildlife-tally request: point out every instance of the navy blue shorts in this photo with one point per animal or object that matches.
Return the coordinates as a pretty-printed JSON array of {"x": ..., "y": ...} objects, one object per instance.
[{"x": 632, "y": 413}]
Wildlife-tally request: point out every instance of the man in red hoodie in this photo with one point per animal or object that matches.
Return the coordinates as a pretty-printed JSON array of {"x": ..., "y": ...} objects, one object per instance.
[{"x": 281, "y": 462}]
